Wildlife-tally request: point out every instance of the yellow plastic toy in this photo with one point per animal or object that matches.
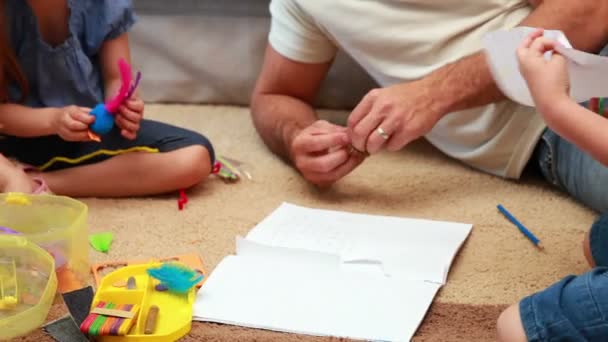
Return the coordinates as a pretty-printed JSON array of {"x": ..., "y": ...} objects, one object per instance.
[
  {"x": 57, "y": 224},
  {"x": 27, "y": 286},
  {"x": 159, "y": 315},
  {"x": 193, "y": 261},
  {"x": 8, "y": 284}
]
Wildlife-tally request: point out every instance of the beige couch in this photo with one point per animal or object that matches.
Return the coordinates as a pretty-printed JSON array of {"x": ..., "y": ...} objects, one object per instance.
[{"x": 210, "y": 51}]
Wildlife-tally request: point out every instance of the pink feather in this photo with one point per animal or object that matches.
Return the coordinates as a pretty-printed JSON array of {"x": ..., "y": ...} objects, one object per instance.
[{"x": 126, "y": 79}]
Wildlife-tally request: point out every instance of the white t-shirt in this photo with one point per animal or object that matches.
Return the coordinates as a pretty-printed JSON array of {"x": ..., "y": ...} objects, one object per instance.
[{"x": 404, "y": 40}]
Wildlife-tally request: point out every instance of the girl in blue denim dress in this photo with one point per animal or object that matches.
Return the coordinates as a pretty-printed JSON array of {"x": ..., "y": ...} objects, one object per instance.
[
  {"x": 58, "y": 59},
  {"x": 575, "y": 308}
]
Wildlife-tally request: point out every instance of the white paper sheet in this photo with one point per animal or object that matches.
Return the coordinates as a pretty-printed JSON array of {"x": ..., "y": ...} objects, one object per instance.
[
  {"x": 395, "y": 243},
  {"x": 331, "y": 273},
  {"x": 587, "y": 72},
  {"x": 287, "y": 293}
]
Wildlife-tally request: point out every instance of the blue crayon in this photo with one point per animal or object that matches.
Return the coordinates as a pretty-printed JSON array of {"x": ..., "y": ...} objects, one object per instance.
[{"x": 521, "y": 227}]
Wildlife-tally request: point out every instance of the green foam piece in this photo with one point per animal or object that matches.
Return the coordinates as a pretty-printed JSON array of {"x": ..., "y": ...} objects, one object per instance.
[{"x": 101, "y": 241}]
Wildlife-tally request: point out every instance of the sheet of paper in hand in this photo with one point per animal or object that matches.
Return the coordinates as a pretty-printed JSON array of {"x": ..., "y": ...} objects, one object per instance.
[{"x": 587, "y": 72}]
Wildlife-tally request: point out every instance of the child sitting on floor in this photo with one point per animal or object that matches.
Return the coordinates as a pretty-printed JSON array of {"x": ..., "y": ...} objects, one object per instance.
[
  {"x": 575, "y": 308},
  {"x": 59, "y": 58},
  {"x": 14, "y": 179}
]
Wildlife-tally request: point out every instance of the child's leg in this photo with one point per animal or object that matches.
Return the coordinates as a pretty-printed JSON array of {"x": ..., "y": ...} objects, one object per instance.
[
  {"x": 587, "y": 250},
  {"x": 134, "y": 174},
  {"x": 509, "y": 327},
  {"x": 574, "y": 309},
  {"x": 595, "y": 245},
  {"x": 13, "y": 178},
  {"x": 573, "y": 170},
  {"x": 163, "y": 158}
]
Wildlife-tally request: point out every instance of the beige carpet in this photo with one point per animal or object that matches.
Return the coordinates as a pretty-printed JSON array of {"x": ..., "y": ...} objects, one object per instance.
[{"x": 497, "y": 265}]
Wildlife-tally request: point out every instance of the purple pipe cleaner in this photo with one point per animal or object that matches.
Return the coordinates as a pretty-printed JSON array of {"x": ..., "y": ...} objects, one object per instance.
[{"x": 5, "y": 230}]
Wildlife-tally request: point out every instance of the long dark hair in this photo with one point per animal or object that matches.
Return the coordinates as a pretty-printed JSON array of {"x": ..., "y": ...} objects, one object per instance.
[{"x": 10, "y": 71}]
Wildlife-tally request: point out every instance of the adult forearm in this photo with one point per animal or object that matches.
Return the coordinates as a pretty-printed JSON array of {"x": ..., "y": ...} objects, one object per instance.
[
  {"x": 277, "y": 129},
  {"x": 464, "y": 84},
  {"x": 468, "y": 82},
  {"x": 582, "y": 21},
  {"x": 22, "y": 121}
]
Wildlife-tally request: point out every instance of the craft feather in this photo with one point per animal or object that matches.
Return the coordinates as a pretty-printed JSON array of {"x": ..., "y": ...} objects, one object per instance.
[
  {"x": 176, "y": 277},
  {"x": 125, "y": 87}
]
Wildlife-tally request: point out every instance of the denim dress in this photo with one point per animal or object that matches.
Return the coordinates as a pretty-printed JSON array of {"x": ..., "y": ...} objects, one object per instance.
[{"x": 70, "y": 74}]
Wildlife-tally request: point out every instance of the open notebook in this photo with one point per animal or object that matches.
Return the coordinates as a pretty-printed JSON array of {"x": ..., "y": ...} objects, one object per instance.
[{"x": 322, "y": 272}]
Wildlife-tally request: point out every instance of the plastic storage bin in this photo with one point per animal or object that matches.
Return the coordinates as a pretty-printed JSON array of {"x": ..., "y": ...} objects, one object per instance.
[
  {"x": 27, "y": 286},
  {"x": 57, "y": 224}
]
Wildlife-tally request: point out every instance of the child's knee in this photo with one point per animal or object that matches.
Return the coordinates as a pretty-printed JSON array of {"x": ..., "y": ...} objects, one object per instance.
[
  {"x": 509, "y": 327},
  {"x": 199, "y": 140},
  {"x": 194, "y": 165},
  {"x": 594, "y": 245}
]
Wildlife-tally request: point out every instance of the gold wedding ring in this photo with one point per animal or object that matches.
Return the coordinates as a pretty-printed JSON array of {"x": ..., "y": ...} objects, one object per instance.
[{"x": 382, "y": 133}]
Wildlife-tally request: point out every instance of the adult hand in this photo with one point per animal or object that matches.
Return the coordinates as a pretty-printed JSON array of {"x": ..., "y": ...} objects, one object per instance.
[
  {"x": 547, "y": 79},
  {"x": 322, "y": 153},
  {"x": 71, "y": 123},
  {"x": 129, "y": 117},
  {"x": 390, "y": 118}
]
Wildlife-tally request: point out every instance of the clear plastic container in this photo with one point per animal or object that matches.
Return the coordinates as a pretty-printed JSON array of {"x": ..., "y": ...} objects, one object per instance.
[
  {"x": 57, "y": 224},
  {"x": 27, "y": 286}
]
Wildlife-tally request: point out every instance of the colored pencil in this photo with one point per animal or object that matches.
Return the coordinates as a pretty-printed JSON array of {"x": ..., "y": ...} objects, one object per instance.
[{"x": 520, "y": 226}]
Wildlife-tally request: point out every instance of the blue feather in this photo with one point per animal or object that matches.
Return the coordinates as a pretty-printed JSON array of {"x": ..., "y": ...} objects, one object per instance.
[{"x": 176, "y": 277}]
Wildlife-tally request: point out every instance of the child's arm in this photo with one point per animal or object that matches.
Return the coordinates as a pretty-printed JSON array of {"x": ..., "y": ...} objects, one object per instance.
[
  {"x": 70, "y": 123},
  {"x": 22, "y": 121},
  {"x": 111, "y": 51},
  {"x": 580, "y": 126},
  {"x": 549, "y": 85},
  {"x": 131, "y": 113}
]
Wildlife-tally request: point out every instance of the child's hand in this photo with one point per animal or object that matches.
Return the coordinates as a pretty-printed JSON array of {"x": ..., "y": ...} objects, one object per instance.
[
  {"x": 129, "y": 116},
  {"x": 72, "y": 123},
  {"x": 547, "y": 79}
]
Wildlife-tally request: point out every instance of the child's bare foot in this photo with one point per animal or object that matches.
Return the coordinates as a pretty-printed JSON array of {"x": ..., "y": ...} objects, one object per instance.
[
  {"x": 14, "y": 179},
  {"x": 20, "y": 182}
]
